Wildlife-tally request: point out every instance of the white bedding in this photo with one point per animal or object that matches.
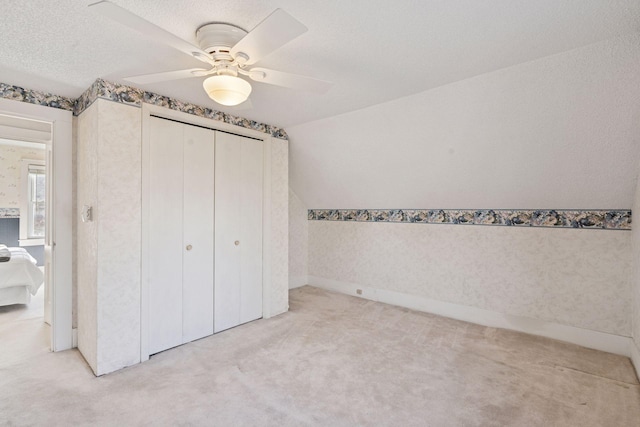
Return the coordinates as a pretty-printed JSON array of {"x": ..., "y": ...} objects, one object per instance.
[{"x": 21, "y": 270}]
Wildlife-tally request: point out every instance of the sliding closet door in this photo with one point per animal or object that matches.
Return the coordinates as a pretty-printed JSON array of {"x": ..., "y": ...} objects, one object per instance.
[
  {"x": 198, "y": 259},
  {"x": 165, "y": 236},
  {"x": 238, "y": 224}
]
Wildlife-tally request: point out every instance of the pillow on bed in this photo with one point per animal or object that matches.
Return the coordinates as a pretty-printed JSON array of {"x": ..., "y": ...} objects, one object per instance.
[{"x": 5, "y": 254}]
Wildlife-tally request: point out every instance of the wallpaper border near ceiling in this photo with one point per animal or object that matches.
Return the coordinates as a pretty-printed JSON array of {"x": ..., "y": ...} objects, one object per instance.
[
  {"x": 130, "y": 96},
  {"x": 17, "y": 93},
  {"x": 136, "y": 97},
  {"x": 552, "y": 218}
]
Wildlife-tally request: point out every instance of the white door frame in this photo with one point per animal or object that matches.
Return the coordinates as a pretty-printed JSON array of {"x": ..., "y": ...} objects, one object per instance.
[
  {"x": 147, "y": 111},
  {"x": 62, "y": 208}
]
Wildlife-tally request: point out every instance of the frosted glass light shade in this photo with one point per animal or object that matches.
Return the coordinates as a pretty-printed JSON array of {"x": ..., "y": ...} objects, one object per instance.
[{"x": 227, "y": 90}]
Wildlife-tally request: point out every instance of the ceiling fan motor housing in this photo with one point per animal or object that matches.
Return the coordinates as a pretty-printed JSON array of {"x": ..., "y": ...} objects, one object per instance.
[{"x": 218, "y": 39}]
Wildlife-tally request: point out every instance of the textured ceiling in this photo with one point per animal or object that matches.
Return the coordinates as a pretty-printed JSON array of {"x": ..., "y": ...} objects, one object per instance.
[
  {"x": 373, "y": 50},
  {"x": 435, "y": 104},
  {"x": 561, "y": 132}
]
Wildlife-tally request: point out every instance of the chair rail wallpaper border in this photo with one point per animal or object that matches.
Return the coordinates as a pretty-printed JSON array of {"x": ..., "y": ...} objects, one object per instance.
[
  {"x": 131, "y": 96},
  {"x": 612, "y": 219},
  {"x": 9, "y": 212}
]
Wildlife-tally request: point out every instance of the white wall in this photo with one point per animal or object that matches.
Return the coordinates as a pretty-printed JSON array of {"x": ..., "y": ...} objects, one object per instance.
[
  {"x": 87, "y": 235},
  {"x": 278, "y": 234},
  {"x": 635, "y": 279},
  {"x": 578, "y": 278},
  {"x": 109, "y": 248},
  {"x": 558, "y": 132},
  {"x": 10, "y": 172},
  {"x": 74, "y": 222},
  {"x": 298, "y": 242},
  {"x": 118, "y": 215}
]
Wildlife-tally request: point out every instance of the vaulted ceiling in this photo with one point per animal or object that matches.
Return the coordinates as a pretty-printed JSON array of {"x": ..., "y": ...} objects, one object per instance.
[
  {"x": 375, "y": 52},
  {"x": 560, "y": 132}
]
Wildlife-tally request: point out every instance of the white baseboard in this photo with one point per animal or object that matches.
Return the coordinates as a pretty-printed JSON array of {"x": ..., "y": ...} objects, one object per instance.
[
  {"x": 587, "y": 338},
  {"x": 298, "y": 281},
  {"x": 635, "y": 356}
]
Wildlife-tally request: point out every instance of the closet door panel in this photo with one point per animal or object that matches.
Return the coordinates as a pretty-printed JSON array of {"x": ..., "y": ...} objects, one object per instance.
[
  {"x": 165, "y": 236},
  {"x": 227, "y": 252},
  {"x": 251, "y": 230},
  {"x": 198, "y": 227}
]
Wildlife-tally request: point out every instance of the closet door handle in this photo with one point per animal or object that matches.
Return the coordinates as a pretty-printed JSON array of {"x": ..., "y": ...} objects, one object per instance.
[
  {"x": 237, "y": 242},
  {"x": 189, "y": 247}
]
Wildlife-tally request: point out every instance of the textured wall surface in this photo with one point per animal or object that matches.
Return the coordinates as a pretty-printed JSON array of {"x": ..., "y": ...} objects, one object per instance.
[
  {"x": 11, "y": 189},
  {"x": 298, "y": 241},
  {"x": 87, "y": 236},
  {"x": 635, "y": 280},
  {"x": 10, "y": 171},
  {"x": 578, "y": 278},
  {"x": 118, "y": 216},
  {"x": 74, "y": 221},
  {"x": 279, "y": 226},
  {"x": 108, "y": 254}
]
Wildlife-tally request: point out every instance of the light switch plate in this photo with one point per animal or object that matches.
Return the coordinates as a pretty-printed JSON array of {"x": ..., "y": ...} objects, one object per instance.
[{"x": 86, "y": 214}]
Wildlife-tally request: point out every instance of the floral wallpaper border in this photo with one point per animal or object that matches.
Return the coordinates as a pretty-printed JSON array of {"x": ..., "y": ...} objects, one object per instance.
[
  {"x": 130, "y": 96},
  {"x": 9, "y": 213},
  {"x": 17, "y": 93},
  {"x": 133, "y": 96},
  {"x": 595, "y": 219}
]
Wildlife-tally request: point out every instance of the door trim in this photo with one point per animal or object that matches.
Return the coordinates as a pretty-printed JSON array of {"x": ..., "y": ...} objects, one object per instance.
[
  {"x": 62, "y": 218},
  {"x": 149, "y": 110}
]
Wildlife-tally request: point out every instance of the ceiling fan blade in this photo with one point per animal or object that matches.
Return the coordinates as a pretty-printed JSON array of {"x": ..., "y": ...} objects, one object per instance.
[
  {"x": 273, "y": 32},
  {"x": 146, "y": 79},
  {"x": 152, "y": 31},
  {"x": 292, "y": 81}
]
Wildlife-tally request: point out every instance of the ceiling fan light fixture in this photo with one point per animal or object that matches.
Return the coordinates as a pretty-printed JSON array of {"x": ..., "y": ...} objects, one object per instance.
[{"x": 227, "y": 90}]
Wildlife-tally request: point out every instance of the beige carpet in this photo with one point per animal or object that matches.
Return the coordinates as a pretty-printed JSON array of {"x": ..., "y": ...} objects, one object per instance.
[
  {"x": 338, "y": 361},
  {"x": 23, "y": 332}
]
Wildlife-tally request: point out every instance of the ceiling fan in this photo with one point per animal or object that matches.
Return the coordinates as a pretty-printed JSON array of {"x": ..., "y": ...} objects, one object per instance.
[{"x": 229, "y": 52}]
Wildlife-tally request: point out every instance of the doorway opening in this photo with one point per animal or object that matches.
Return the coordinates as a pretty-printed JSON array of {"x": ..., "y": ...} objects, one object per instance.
[
  {"x": 25, "y": 295},
  {"x": 36, "y": 292}
]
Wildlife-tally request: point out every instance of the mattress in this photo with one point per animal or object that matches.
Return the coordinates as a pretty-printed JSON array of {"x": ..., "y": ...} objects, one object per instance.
[{"x": 21, "y": 270}]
